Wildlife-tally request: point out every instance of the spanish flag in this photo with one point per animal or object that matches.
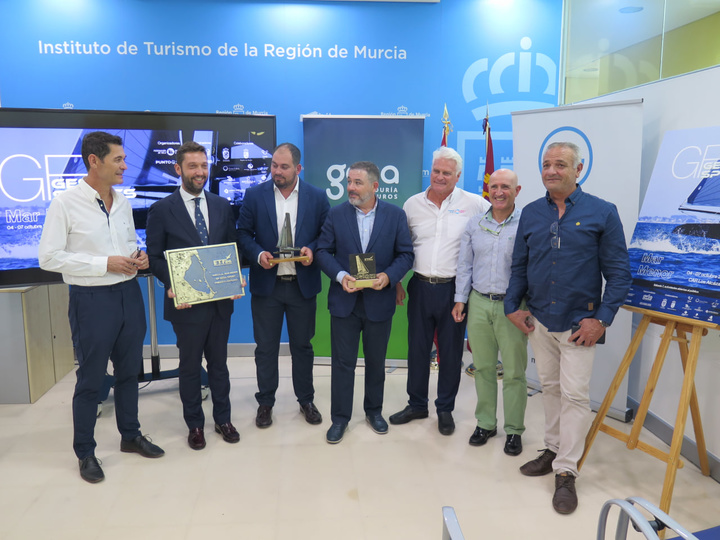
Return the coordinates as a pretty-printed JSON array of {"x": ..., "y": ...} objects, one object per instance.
[{"x": 489, "y": 157}]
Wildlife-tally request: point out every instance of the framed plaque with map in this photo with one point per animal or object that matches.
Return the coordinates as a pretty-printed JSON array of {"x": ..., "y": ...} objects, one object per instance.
[{"x": 204, "y": 273}]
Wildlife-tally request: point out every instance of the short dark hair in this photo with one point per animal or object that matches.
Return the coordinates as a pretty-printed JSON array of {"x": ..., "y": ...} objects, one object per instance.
[
  {"x": 294, "y": 151},
  {"x": 188, "y": 147},
  {"x": 373, "y": 173},
  {"x": 97, "y": 143}
]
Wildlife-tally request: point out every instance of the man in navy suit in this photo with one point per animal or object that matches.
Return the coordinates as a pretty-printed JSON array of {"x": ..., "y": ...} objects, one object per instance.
[
  {"x": 285, "y": 289},
  {"x": 363, "y": 224},
  {"x": 192, "y": 216}
]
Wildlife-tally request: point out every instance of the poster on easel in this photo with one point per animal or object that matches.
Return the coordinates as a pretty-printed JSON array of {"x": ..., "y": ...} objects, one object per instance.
[{"x": 675, "y": 248}]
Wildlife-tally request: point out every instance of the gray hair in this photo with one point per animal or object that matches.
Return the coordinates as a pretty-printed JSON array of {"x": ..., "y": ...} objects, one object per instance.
[
  {"x": 574, "y": 148},
  {"x": 445, "y": 152}
]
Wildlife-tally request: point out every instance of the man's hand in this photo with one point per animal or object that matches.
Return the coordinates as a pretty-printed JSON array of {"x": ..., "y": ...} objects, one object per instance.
[
  {"x": 590, "y": 331},
  {"x": 141, "y": 260},
  {"x": 171, "y": 294},
  {"x": 381, "y": 281},
  {"x": 458, "y": 312},
  {"x": 523, "y": 320},
  {"x": 347, "y": 284},
  {"x": 399, "y": 294},
  {"x": 124, "y": 265},
  {"x": 265, "y": 257},
  {"x": 243, "y": 284},
  {"x": 306, "y": 251}
]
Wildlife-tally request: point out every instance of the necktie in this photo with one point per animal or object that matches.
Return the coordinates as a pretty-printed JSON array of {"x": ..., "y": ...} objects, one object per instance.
[{"x": 200, "y": 223}]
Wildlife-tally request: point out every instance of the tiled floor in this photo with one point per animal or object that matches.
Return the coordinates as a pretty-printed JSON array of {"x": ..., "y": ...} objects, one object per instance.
[{"x": 286, "y": 482}]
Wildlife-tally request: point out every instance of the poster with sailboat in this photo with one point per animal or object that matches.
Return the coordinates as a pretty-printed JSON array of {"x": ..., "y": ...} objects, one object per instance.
[{"x": 675, "y": 248}]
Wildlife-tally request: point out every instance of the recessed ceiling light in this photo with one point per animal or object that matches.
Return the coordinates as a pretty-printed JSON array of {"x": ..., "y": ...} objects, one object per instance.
[
  {"x": 590, "y": 69},
  {"x": 630, "y": 9}
]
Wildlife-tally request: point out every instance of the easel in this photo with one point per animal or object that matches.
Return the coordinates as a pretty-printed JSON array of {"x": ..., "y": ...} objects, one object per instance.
[{"x": 675, "y": 330}]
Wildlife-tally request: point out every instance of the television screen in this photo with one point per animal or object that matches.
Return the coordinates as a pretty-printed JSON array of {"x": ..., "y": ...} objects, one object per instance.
[{"x": 40, "y": 157}]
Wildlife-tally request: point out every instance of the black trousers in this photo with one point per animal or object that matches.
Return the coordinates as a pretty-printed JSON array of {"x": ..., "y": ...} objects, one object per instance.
[
  {"x": 268, "y": 312},
  {"x": 209, "y": 337},
  {"x": 429, "y": 309},
  {"x": 345, "y": 339},
  {"x": 107, "y": 322}
]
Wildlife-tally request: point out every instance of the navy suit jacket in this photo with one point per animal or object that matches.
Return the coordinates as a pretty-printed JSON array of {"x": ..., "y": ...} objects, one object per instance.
[
  {"x": 169, "y": 226},
  {"x": 389, "y": 240},
  {"x": 258, "y": 232}
]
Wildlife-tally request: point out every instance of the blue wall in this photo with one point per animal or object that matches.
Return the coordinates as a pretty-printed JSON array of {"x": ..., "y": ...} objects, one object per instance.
[{"x": 467, "y": 53}]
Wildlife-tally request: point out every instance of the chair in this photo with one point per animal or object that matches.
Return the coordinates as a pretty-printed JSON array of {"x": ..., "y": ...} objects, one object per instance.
[
  {"x": 451, "y": 527},
  {"x": 650, "y": 528}
]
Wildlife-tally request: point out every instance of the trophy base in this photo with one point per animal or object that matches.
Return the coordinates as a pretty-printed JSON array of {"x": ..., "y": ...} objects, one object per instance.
[
  {"x": 361, "y": 283},
  {"x": 278, "y": 260}
]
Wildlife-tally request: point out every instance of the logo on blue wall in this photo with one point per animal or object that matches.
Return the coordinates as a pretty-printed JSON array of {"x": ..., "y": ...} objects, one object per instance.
[
  {"x": 523, "y": 69},
  {"x": 575, "y": 136}
]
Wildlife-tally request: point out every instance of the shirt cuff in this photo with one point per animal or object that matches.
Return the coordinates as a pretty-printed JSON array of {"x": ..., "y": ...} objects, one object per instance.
[{"x": 340, "y": 275}]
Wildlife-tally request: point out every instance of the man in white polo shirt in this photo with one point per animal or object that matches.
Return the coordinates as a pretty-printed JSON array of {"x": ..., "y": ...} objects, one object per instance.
[{"x": 437, "y": 218}]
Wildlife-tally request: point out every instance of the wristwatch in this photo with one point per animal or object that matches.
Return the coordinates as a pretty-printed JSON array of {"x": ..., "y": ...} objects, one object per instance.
[{"x": 603, "y": 323}]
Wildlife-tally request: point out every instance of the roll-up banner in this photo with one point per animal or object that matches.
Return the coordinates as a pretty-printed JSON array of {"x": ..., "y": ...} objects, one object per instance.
[
  {"x": 610, "y": 139},
  {"x": 395, "y": 145}
]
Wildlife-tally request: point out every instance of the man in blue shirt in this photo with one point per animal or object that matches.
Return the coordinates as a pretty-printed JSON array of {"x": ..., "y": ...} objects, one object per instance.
[
  {"x": 483, "y": 273},
  {"x": 567, "y": 242}
]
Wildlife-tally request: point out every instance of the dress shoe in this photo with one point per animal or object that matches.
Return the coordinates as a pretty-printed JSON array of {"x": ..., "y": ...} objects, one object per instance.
[
  {"x": 264, "y": 416},
  {"x": 90, "y": 470},
  {"x": 228, "y": 432},
  {"x": 539, "y": 466},
  {"x": 565, "y": 499},
  {"x": 377, "y": 423},
  {"x": 196, "y": 438},
  {"x": 513, "y": 445},
  {"x": 480, "y": 436},
  {"x": 407, "y": 414},
  {"x": 141, "y": 445},
  {"x": 311, "y": 414},
  {"x": 335, "y": 433},
  {"x": 446, "y": 424}
]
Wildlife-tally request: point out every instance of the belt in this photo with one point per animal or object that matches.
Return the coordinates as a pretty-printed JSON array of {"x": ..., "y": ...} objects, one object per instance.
[
  {"x": 434, "y": 280},
  {"x": 287, "y": 277},
  {"x": 493, "y": 296}
]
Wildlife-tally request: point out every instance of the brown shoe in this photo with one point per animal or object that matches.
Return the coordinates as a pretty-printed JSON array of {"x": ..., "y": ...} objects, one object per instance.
[
  {"x": 196, "y": 438},
  {"x": 264, "y": 416},
  {"x": 539, "y": 466},
  {"x": 311, "y": 414},
  {"x": 228, "y": 432},
  {"x": 565, "y": 499}
]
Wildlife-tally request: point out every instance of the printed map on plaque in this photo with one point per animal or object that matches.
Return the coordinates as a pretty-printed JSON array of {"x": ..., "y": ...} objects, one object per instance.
[
  {"x": 204, "y": 273},
  {"x": 675, "y": 248}
]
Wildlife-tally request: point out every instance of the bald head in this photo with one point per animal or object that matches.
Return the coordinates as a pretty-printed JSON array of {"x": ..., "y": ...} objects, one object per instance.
[{"x": 502, "y": 189}]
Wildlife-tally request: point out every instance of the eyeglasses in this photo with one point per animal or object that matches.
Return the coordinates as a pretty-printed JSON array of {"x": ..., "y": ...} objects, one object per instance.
[{"x": 555, "y": 239}]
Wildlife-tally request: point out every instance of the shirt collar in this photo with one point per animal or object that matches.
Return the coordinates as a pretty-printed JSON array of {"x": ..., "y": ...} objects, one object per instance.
[
  {"x": 295, "y": 189},
  {"x": 358, "y": 211},
  {"x": 572, "y": 198},
  {"x": 187, "y": 197},
  {"x": 489, "y": 217},
  {"x": 449, "y": 199},
  {"x": 90, "y": 192}
]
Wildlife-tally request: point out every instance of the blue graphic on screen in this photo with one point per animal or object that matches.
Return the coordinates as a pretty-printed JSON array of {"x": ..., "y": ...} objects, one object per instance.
[{"x": 37, "y": 163}]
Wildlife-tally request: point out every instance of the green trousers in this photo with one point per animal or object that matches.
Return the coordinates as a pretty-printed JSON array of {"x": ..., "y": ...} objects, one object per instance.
[{"x": 490, "y": 331}]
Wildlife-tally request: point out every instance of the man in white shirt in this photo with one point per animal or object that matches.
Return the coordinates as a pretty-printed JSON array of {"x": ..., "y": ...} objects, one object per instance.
[
  {"x": 89, "y": 236},
  {"x": 437, "y": 219}
]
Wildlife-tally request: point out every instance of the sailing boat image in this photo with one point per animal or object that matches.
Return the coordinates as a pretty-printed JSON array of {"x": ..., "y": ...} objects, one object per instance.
[
  {"x": 286, "y": 251},
  {"x": 362, "y": 268},
  {"x": 705, "y": 199}
]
